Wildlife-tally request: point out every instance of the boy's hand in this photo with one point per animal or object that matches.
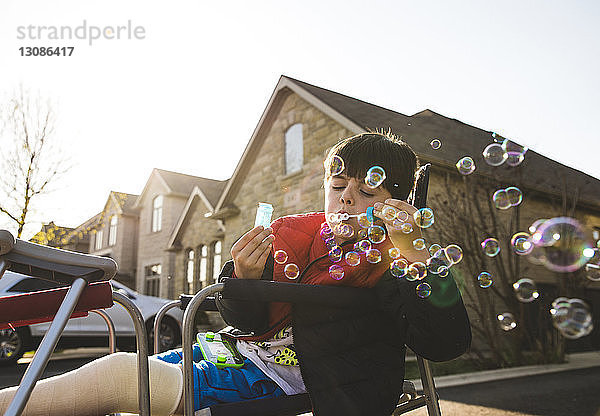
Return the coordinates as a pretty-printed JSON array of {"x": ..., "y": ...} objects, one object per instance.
[
  {"x": 250, "y": 252},
  {"x": 400, "y": 240}
]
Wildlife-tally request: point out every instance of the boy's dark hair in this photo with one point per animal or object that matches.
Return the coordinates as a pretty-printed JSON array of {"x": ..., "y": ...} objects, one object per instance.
[{"x": 384, "y": 149}]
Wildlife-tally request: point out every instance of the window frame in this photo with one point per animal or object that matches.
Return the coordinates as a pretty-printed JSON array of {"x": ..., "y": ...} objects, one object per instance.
[
  {"x": 113, "y": 223},
  {"x": 291, "y": 139},
  {"x": 152, "y": 274},
  {"x": 157, "y": 211}
]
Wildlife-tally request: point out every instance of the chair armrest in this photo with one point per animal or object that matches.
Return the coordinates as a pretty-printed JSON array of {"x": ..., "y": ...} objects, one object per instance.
[
  {"x": 265, "y": 290},
  {"x": 36, "y": 307},
  {"x": 54, "y": 264}
]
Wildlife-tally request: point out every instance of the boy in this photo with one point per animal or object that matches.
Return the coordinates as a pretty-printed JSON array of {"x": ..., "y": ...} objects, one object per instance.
[{"x": 348, "y": 360}]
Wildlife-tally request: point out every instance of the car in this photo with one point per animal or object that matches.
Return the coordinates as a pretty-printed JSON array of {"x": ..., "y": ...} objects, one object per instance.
[{"x": 87, "y": 331}]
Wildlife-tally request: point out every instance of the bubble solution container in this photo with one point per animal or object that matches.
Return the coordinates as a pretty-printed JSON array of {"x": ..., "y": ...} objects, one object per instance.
[{"x": 263, "y": 214}]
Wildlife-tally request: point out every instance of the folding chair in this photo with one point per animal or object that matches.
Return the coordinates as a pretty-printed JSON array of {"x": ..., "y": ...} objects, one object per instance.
[
  {"x": 89, "y": 291},
  {"x": 288, "y": 292}
]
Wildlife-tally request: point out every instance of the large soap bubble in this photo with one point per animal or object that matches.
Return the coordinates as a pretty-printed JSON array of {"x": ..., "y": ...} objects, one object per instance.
[
  {"x": 506, "y": 321},
  {"x": 490, "y": 247},
  {"x": 424, "y": 217},
  {"x": 572, "y": 317},
  {"x": 566, "y": 244}
]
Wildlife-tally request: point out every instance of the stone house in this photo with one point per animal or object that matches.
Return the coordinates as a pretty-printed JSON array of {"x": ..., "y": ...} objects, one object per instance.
[
  {"x": 160, "y": 207},
  {"x": 113, "y": 234}
]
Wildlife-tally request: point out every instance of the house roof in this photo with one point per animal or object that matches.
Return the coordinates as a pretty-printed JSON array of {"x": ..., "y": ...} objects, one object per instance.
[
  {"x": 183, "y": 185},
  {"x": 458, "y": 140}
]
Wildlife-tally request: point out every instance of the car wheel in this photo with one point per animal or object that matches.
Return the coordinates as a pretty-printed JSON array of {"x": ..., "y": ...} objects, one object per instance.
[
  {"x": 13, "y": 344},
  {"x": 170, "y": 336}
]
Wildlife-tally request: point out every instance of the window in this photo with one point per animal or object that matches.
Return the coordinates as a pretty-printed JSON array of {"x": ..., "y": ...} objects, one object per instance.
[
  {"x": 112, "y": 231},
  {"x": 152, "y": 275},
  {"x": 203, "y": 265},
  {"x": 99, "y": 237},
  {"x": 157, "y": 206},
  {"x": 294, "y": 153},
  {"x": 189, "y": 272},
  {"x": 216, "y": 260}
]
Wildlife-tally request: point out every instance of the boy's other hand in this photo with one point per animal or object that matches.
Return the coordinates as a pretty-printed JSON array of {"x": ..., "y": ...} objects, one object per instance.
[
  {"x": 251, "y": 251},
  {"x": 400, "y": 240}
]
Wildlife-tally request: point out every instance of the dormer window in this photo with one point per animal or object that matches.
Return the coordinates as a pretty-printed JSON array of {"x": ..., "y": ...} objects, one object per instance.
[
  {"x": 112, "y": 230},
  {"x": 157, "y": 207},
  {"x": 294, "y": 149}
]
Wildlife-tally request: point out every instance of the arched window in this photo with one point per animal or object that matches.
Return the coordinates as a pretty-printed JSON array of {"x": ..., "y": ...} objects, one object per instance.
[
  {"x": 112, "y": 230},
  {"x": 157, "y": 206},
  {"x": 203, "y": 265},
  {"x": 294, "y": 149},
  {"x": 189, "y": 272},
  {"x": 216, "y": 260}
]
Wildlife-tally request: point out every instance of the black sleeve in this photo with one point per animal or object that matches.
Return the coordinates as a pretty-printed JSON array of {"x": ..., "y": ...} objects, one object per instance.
[
  {"x": 436, "y": 327},
  {"x": 248, "y": 316}
]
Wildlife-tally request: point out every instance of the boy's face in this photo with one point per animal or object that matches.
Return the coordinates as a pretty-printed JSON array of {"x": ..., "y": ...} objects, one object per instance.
[{"x": 352, "y": 196}]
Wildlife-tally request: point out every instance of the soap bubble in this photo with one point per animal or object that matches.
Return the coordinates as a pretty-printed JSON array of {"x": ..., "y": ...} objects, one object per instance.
[
  {"x": 399, "y": 268},
  {"x": 434, "y": 248},
  {"x": 494, "y": 154},
  {"x": 436, "y": 144},
  {"x": 514, "y": 195},
  {"x": 373, "y": 255},
  {"x": 592, "y": 272},
  {"x": 330, "y": 243},
  {"x": 326, "y": 232},
  {"x": 363, "y": 220},
  {"x": 565, "y": 243},
  {"x": 352, "y": 258},
  {"x": 337, "y": 165},
  {"x": 443, "y": 272},
  {"x": 514, "y": 158},
  {"x": 362, "y": 234},
  {"x": 424, "y": 217},
  {"x": 346, "y": 230},
  {"x": 501, "y": 200},
  {"x": 419, "y": 244},
  {"x": 438, "y": 262},
  {"x": 506, "y": 321},
  {"x": 397, "y": 224},
  {"x": 336, "y": 272},
  {"x": 521, "y": 243},
  {"x": 291, "y": 271},
  {"x": 416, "y": 271},
  {"x": 402, "y": 215},
  {"x": 407, "y": 228},
  {"x": 526, "y": 290},
  {"x": 376, "y": 234},
  {"x": 335, "y": 254},
  {"x": 280, "y": 256},
  {"x": 490, "y": 246},
  {"x": 423, "y": 290},
  {"x": 485, "y": 280},
  {"x": 465, "y": 166},
  {"x": 388, "y": 213},
  {"x": 362, "y": 246},
  {"x": 375, "y": 176},
  {"x": 394, "y": 253},
  {"x": 571, "y": 317},
  {"x": 454, "y": 253}
]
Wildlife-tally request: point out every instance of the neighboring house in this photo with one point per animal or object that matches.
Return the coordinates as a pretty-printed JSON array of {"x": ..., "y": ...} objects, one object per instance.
[
  {"x": 161, "y": 205},
  {"x": 114, "y": 235}
]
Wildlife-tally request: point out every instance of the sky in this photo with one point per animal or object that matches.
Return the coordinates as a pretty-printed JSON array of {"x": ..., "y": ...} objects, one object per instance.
[{"x": 187, "y": 95}]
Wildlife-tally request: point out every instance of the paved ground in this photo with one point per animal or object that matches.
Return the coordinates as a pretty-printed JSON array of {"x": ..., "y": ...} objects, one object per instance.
[
  {"x": 556, "y": 391},
  {"x": 567, "y": 393}
]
